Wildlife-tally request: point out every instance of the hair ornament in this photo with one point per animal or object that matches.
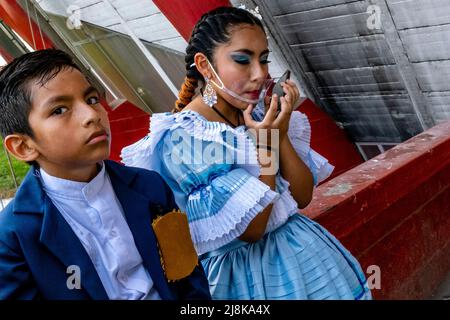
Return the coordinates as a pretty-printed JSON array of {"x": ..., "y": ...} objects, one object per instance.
[{"x": 255, "y": 11}]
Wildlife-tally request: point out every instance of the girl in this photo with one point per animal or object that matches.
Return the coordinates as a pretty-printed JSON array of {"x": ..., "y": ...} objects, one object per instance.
[{"x": 241, "y": 172}]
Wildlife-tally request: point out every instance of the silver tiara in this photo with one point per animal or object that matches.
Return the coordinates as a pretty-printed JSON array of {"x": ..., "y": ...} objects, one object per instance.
[{"x": 255, "y": 11}]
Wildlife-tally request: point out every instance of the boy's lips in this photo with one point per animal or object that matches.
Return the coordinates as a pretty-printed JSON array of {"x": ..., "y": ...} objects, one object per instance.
[{"x": 97, "y": 136}]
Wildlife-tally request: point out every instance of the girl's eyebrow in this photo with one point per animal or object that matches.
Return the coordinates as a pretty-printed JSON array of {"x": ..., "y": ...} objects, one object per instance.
[{"x": 250, "y": 52}]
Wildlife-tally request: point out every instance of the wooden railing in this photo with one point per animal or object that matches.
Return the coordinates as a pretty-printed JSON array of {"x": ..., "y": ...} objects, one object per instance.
[{"x": 393, "y": 213}]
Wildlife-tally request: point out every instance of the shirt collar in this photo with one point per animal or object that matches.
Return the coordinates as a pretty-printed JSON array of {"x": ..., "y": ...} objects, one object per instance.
[{"x": 72, "y": 189}]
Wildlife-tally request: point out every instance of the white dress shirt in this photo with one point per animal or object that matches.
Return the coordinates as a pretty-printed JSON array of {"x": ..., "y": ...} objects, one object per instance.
[{"x": 95, "y": 215}]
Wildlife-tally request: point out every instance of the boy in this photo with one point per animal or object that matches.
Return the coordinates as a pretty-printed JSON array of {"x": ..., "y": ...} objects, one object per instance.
[{"x": 79, "y": 226}]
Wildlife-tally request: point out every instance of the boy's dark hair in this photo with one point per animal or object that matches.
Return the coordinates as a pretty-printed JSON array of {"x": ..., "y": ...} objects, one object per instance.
[{"x": 15, "y": 94}]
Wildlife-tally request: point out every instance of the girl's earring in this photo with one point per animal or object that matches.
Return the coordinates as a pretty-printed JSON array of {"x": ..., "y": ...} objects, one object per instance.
[{"x": 209, "y": 94}]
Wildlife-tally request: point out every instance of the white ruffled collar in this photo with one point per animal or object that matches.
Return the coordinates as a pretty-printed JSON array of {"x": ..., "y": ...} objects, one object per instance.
[
  {"x": 200, "y": 128},
  {"x": 194, "y": 115}
]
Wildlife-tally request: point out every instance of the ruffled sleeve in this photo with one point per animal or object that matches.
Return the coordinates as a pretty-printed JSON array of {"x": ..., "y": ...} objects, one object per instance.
[
  {"x": 220, "y": 199},
  {"x": 141, "y": 153},
  {"x": 212, "y": 170},
  {"x": 300, "y": 135}
]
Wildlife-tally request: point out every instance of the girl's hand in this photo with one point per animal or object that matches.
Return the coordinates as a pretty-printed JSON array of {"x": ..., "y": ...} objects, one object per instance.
[
  {"x": 272, "y": 120},
  {"x": 291, "y": 92}
]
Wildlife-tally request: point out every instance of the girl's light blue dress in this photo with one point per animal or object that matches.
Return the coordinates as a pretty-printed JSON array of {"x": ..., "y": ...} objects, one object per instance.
[{"x": 213, "y": 171}]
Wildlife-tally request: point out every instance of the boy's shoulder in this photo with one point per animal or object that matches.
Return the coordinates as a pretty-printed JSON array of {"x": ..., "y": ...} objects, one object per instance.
[
  {"x": 23, "y": 214},
  {"x": 147, "y": 182},
  {"x": 6, "y": 217},
  {"x": 13, "y": 225},
  {"x": 132, "y": 174}
]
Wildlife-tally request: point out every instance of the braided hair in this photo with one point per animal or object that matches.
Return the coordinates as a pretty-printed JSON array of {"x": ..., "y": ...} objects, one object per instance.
[{"x": 213, "y": 29}]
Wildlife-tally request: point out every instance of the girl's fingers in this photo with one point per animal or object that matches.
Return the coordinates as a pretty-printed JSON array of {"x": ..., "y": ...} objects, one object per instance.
[
  {"x": 285, "y": 106},
  {"x": 248, "y": 116},
  {"x": 267, "y": 103},
  {"x": 285, "y": 112},
  {"x": 272, "y": 112},
  {"x": 291, "y": 92},
  {"x": 296, "y": 90}
]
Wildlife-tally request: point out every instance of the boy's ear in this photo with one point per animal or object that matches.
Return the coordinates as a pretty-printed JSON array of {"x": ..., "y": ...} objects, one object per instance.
[
  {"x": 201, "y": 62},
  {"x": 21, "y": 147}
]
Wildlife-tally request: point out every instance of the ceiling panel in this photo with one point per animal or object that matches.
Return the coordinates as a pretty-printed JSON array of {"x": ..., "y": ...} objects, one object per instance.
[{"x": 142, "y": 17}]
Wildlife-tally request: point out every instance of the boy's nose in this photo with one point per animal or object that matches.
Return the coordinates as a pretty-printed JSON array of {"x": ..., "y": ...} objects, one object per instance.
[{"x": 89, "y": 115}]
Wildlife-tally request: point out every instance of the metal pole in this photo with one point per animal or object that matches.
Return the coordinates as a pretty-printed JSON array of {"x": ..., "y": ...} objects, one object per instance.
[
  {"x": 73, "y": 47},
  {"x": 154, "y": 62},
  {"x": 11, "y": 169}
]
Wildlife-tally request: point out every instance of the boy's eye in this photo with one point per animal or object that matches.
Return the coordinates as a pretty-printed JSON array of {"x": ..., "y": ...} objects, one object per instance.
[
  {"x": 93, "y": 100},
  {"x": 59, "y": 110}
]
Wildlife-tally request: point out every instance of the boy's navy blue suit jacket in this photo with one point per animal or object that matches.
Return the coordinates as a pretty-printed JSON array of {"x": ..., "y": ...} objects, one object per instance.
[{"x": 37, "y": 245}]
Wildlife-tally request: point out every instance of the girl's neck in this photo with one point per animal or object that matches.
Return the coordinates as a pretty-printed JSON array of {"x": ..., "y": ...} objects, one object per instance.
[
  {"x": 223, "y": 108},
  {"x": 226, "y": 109}
]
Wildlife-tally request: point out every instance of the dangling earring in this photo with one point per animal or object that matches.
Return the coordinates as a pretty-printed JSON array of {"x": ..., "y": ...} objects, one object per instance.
[{"x": 209, "y": 95}]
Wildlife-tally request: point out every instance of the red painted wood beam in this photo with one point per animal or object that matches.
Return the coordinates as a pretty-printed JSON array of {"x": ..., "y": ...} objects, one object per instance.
[
  {"x": 17, "y": 19},
  {"x": 128, "y": 124},
  {"x": 184, "y": 14},
  {"x": 6, "y": 55},
  {"x": 393, "y": 212}
]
